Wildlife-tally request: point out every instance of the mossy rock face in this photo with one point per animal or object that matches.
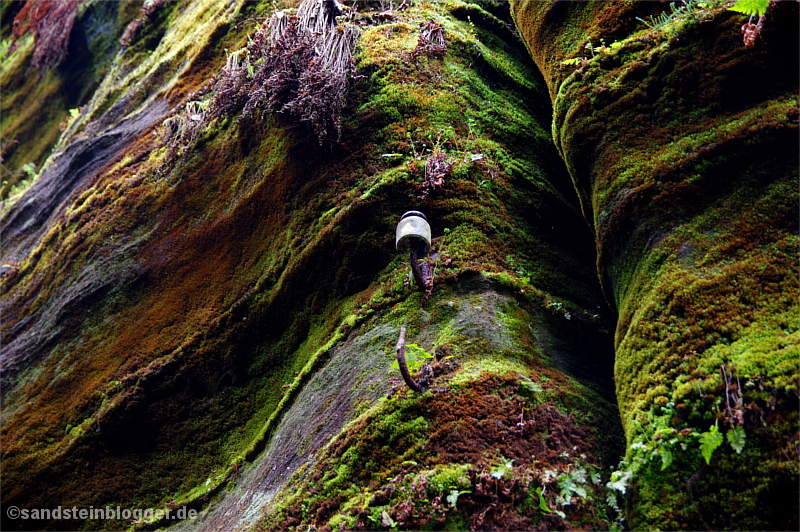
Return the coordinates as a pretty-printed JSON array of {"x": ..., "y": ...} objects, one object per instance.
[
  {"x": 493, "y": 398},
  {"x": 682, "y": 144},
  {"x": 181, "y": 306}
]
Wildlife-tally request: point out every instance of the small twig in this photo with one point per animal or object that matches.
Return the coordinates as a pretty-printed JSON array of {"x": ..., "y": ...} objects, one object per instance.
[
  {"x": 727, "y": 388},
  {"x": 740, "y": 398},
  {"x": 401, "y": 361},
  {"x": 522, "y": 423}
]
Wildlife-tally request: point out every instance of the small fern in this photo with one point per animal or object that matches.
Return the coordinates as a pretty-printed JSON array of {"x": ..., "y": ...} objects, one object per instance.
[
  {"x": 709, "y": 441},
  {"x": 737, "y": 438},
  {"x": 751, "y": 8},
  {"x": 676, "y": 12}
]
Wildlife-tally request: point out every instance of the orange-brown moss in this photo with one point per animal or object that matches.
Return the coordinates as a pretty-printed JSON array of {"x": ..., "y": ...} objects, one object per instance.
[{"x": 473, "y": 427}]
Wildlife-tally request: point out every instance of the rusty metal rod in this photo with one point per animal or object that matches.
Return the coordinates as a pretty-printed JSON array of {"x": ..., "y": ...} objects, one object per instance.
[
  {"x": 401, "y": 361},
  {"x": 414, "y": 258}
]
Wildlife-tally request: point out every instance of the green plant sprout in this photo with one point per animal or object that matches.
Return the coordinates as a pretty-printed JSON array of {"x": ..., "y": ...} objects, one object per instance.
[
  {"x": 500, "y": 470},
  {"x": 416, "y": 357},
  {"x": 452, "y": 498},
  {"x": 29, "y": 169},
  {"x": 658, "y": 22}
]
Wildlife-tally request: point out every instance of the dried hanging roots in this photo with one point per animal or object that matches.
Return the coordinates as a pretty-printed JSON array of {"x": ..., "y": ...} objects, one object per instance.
[
  {"x": 431, "y": 41},
  {"x": 51, "y": 23},
  {"x": 437, "y": 166},
  {"x": 296, "y": 65}
]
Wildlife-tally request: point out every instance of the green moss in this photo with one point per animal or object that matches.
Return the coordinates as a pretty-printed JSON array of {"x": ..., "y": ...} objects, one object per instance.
[
  {"x": 394, "y": 448},
  {"x": 448, "y": 477},
  {"x": 686, "y": 181}
]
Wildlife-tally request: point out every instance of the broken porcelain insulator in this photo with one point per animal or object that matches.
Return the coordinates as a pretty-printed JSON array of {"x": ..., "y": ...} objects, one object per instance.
[{"x": 413, "y": 225}]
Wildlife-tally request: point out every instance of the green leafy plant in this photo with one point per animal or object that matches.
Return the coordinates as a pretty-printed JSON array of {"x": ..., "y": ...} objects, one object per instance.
[
  {"x": 529, "y": 385},
  {"x": 416, "y": 357},
  {"x": 29, "y": 169},
  {"x": 666, "y": 457},
  {"x": 453, "y": 496},
  {"x": 736, "y": 438},
  {"x": 5, "y": 45},
  {"x": 751, "y": 8},
  {"x": 542, "y": 502},
  {"x": 500, "y": 470},
  {"x": 570, "y": 484},
  {"x": 544, "y": 507},
  {"x": 618, "y": 484},
  {"x": 709, "y": 441},
  {"x": 616, "y": 487},
  {"x": 387, "y": 521}
]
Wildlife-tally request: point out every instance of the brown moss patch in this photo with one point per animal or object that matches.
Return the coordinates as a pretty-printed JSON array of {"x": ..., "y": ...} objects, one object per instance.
[
  {"x": 485, "y": 419},
  {"x": 479, "y": 426}
]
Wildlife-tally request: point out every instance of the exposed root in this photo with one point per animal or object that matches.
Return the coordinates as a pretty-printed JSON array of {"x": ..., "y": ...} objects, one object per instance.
[
  {"x": 431, "y": 41},
  {"x": 423, "y": 272},
  {"x": 132, "y": 30}
]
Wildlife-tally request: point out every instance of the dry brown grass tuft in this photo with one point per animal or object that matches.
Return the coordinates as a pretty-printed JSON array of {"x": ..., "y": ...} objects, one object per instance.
[
  {"x": 431, "y": 41},
  {"x": 51, "y": 23},
  {"x": 297, "y": 65}
]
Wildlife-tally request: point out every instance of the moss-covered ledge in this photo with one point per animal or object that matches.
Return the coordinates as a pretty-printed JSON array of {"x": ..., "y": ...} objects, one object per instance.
[
  {"x": 491, "y": 444},
  {"x": 682, "y": 144}
]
